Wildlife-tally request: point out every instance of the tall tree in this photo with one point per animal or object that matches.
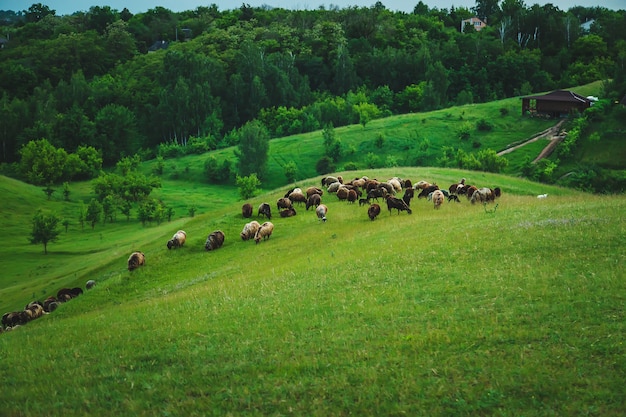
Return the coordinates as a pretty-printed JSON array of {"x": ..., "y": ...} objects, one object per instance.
[
  {"x": 45, "y": 229},
  {"x": 252, "y": 150}
]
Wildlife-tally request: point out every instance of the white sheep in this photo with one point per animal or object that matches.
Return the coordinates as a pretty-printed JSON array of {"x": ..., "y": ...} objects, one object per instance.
[
  {"x": 178, "y": 240},
  {"x": 438, "y": 198},
  {"x": 264, "y": 232},
  {"x": 542, "y": 196},
  {"x": 321, "y": 212},
  {"x": 250, "y": 229}
]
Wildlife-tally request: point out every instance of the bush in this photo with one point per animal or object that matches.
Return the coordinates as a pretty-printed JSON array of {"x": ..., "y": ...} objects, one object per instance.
[
  {"x": 464, "y": 132},
  {"x": 325, "y": 165},
  {"x": 484, "y": 126},
  {"x": 350, "y": 166}
]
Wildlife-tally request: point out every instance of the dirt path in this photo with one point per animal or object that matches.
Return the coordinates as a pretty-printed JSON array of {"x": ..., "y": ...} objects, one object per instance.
[{"x": 551, "y": 134}]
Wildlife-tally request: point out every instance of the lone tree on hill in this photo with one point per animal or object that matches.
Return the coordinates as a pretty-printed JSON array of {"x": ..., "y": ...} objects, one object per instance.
[{"x": 44, "y": 229}]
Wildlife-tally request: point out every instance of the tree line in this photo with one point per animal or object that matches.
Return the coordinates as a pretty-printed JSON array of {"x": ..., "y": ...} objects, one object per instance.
[{"x": 160, "y": 81}]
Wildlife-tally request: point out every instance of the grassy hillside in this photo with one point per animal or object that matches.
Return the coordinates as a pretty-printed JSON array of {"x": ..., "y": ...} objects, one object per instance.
[{"x": 466, "y": 310}]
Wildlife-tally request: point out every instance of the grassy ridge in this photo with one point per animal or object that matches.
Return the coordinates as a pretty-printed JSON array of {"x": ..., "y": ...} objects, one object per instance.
[{"x": 454, "y": 311}]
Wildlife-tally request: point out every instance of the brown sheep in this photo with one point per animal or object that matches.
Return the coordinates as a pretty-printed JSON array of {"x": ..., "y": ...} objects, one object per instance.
[
  {"x": 264, "y": 232},
  {"x": 249, "y": 230},
  {"x": 265, "y": 210},
  {"x": 178, "y": 240},
  {"x": 314, "y": 190},
  {"x": 135, "y": 260},
  {"x": 215, "y": 240},
  {"x": 283, "y": 203},
  {"x": 313, "y": 200},
  {"x": 297, "y": 196},
  {"x": 373, "y": 211},
  {"x": 352, "y": 196},
  {"x": 290, "y": 212},
  {"x": 246, "y": 210},
  {"x": 342, "y": 193}
]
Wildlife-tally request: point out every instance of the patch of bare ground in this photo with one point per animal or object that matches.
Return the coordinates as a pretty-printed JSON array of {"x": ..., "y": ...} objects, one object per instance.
[{"x": 552, "y": 134}]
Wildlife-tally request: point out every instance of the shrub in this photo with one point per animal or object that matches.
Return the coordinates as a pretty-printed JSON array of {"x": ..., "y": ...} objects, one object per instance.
[
  {"x": 484, "y": 126},
  {"x": 325, "y": 165},
  {"x": 350, "y": 166}
]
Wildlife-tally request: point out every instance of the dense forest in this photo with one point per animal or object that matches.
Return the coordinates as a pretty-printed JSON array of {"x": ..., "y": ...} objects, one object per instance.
[{"x": 105, "y": 84}]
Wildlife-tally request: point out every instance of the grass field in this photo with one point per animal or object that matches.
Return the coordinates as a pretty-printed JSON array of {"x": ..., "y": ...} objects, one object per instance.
[{"x": 467, "y": 310}]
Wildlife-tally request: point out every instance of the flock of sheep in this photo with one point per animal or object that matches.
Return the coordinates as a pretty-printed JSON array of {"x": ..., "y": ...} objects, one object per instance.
[
  {"x": 36, "y": 309},
  {"x": 363, "y": 189}
]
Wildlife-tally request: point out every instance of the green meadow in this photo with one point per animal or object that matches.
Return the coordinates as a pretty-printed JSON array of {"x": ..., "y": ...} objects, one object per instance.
[{"x": 515, "y": 308}]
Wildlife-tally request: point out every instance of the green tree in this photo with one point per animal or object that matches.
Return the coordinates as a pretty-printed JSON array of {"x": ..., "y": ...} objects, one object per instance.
[
  {"x": 41, "y": 162},
  {"x": 291, "y": 171},
  {"x": 94, "y": 212},
  {"x": 252, "y": 150},
  {"x": 45, "y": 229},
  {"x": 248, "y": 185}
]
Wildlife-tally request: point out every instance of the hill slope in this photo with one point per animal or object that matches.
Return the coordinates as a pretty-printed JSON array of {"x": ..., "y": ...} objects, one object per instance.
[{"x": 464, "y": 310}]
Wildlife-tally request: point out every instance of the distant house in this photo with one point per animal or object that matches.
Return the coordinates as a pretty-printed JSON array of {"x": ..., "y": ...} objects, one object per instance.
[
  {"x": 586, "y": 27},
  {"x": 475, "y": 22},
  {"x": 158, "y": 45},
  {"x": 559, "y": 103}
]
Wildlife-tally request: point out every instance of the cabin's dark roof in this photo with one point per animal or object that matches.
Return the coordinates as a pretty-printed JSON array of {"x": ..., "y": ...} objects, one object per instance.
[{"x": 561, "y": 95}]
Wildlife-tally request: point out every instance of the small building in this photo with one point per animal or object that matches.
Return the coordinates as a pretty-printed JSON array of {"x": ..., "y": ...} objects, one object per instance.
[
  {"x": 557, "y": 104},
  {"x": 158, "y": 45},
  {"x": 476, "y": 23}
]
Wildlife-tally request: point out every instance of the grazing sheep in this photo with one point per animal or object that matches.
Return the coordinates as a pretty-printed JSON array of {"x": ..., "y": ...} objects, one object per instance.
[
  {"x": 332, "y": 188},
  {"x": 265, "y": 210},
  {"x": 342, "y": 193},
  {"x": 427, "y": 190},
  {"x": 376, "y": 193},
  {"x": 421, "y": 185},
  {"x": 264, "y": 232},
  {"x": 14, "y": 318},
  {"x": 215, "y": 240},
  {"x": 50, "y": 304},
  {"x": 246, "y": 210},
  {"x": 314, "y": 190},
  {"x": 396, "y": 183},
  {"x": 398, "y": 204},
  {"x": 373, "y": 211},
  {"x": 364, "y": 201},
  {"x": 542, "y": 196},
  {"x": 438, "y": 198},
  {"x": 485, "y": 195},
  {"x": 290, "y": 212},
  {"x": 326, "y": 181},
  {"x": 66, "y": 294},
  {"x": 409, "y": 193},
  {"x": 178, "y": 240},
  {"x": 313, "y": 200},
  {"x": 321, "y": 212},
  {"x": 297, "y": 196},
  {"x": 352, "y": 196},
  {"x": 283, "y": 203},
  {"x": 249, "y": 230},
  {"x": 135, "y": 260},
  {"x": 90, "y": 284},
  {"x": 469, "y": 191}
]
